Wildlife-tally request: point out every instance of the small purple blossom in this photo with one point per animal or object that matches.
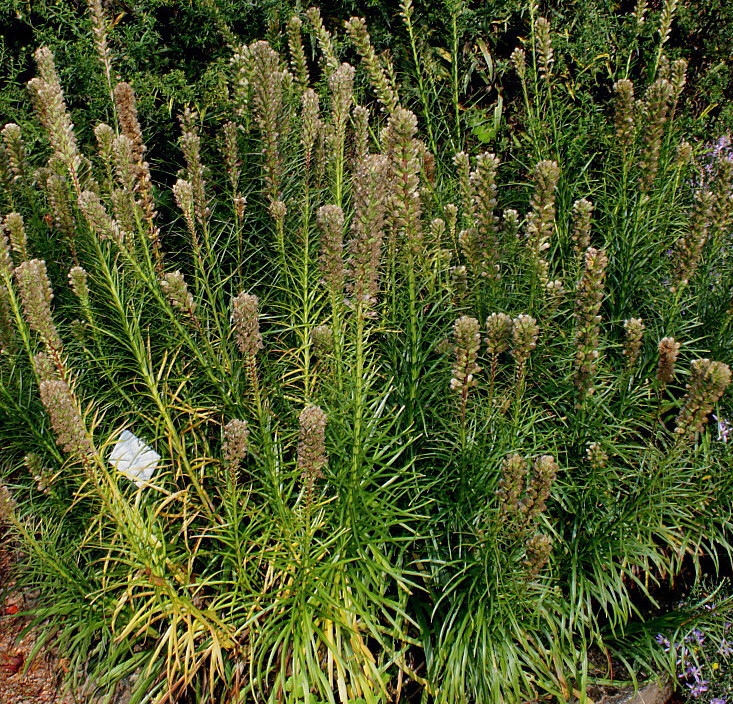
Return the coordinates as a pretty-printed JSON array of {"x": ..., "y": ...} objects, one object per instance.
[
  {"x": 663, "y": 641},
  {"x": 725, "y": 648},
  {"x": 698, "y": 688},
  {"x": 717, "y": 700},
  {"x": 724, "y": 428}
]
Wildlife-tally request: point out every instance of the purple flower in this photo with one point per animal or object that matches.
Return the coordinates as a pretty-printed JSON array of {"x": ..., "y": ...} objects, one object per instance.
[
  {"x": 718, "y": 700},
  {"x": 699, "y": 636},
  {"x": 724, "y": 428},
  {"x": 725, "y": 648},
  {"x": 695, "y": 673},
  {"x": 663, "y": 641},
  {"x": 698, "y": 688}
]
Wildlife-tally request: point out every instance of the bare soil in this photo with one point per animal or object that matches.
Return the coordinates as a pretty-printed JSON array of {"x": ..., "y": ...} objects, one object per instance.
[{"x": 24, "y": 680}]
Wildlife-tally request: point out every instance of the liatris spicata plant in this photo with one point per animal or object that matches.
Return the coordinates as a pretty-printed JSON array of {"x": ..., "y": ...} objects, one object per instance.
[
  {"x": 245, "y": 317},
  {"x": 625, "y": 133},
  {"x": 367, "y": 228},
  {"x": 79, "y": 284},
  {"x": 582, "y": 214},
  {"x": 176, "y": 291},
  {"x": 544, "y": 47},
  {"x": 36, "y": 295},
  {"x": 634, "y": 328},
  {"x": 466, "y": 344},
  {"x": 688, "y": 248},
  {"x": 298, "y": 61},
  {"x": 331, "y": 224},
  {"x": 589, "y": 298},
  {"x": 596, "y": 456},
  {"x": 708, "y": 381},
  {"x": 236, "y": 443},
  {"x": 525, "y": 332},
  {"x": 656, "y": 108},
  {"x": 16, "y": 231},
  {"x": 481, "y": 244},
  {"x": 15, "y": 153},
  {"x": 668, "y": 349},
  {"x": 50, "y": 105},
  {"x": 538, "y": 551},
  {"x": 511, "y": 486},
  {"x": 541, "y": 219},
  {"x": 63, "y": 410},
  {"x": 384, "y": 88},
  {"x": 312, "y": 457},
  {"x": 191, "y": 148}
]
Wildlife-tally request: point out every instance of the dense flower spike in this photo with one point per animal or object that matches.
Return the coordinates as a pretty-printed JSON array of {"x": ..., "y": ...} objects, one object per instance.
[
  {"x": 100, "y": 223},
  {"x": 634, "y": 336},
  {"x": 311, "y": 124},
  {"x": 688, "y": 248},
  {"x": 708, "y": 381},
  {"x": 582, "y": 214},
  {"x": 466, "y": 344},
  {"x": 14, "y": 151},
  {"x": 78, "y": 280},
  {"x": 50, "y": 106},
  {"x": 245, "y": 316},
  {"x": 365, "y": 247},
  {"x": 183, "y": 193},
  {"x": 544, "y": 47},
  {"x": 668, "y": 349},
  {"x": 624, "y": 113},
  {"x": 589, "y": 297},
  {"x": 16, "y": 230},
  {"x": 36, "y": 295},
  {"x": 236, "y": 442},
  {"x": 384, "y": 88},
  {"x": 230, "y": 150},
  {"x": 656, "y": 110},
  {"x": 330, "y": 220},
  {"x": 596, "y": 456},
  {"x": 298, "y": 61},
  {"x": 403, "y": 150},
  {"x": 541, "y": 220},
  {"x": 127, "y": 114},
  {"x": 312, "y": 457},
  {"x": 99, "y": 29},
  {"x": 511, "y": 486},
  {"x": 126, "y": 107},
  {"x": 270, "y": 82},
  {"x": 191, "y": 148},
  {"x": 176, "y": 291},
  {"x": 525, "y": 332},
  {"x": 7, "y": 326},
  {"x": 325, "y": 41},
  {"x": 539, "y": 549},
  {"x": 480, "y": 241},
  {"x": 360, "y": 118},
  {"x": 66, "y": 421},
  {"x": 6, "y": 260},
  {"x": 538, "y": 490}
]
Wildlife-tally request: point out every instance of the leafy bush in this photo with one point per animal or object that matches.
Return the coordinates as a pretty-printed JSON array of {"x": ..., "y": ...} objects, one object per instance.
[{"x": 427, "y": 422}]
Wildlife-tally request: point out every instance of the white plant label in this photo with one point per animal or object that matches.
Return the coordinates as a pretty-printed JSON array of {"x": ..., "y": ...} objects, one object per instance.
[{"x": 133, "y": 458}]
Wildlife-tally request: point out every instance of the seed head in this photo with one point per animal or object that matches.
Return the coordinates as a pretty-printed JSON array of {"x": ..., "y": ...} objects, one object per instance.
[
  {"x": 245, "y": 316},
  {"x": 236, "y": 442},
  {"x": 312, "y": 456},
  {"x": 36, "y": 296},
  {"x": 63, "y": 410},
  {"x": 668, "y": 349},
  {"x": 708, "y": 381}
]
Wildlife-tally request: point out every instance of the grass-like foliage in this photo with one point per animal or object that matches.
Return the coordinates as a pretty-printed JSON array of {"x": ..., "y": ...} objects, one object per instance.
[{"x": 431, "y": 421}]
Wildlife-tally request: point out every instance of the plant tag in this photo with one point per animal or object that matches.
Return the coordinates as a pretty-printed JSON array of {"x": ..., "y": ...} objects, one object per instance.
[{"x": 133, "y": 458}]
